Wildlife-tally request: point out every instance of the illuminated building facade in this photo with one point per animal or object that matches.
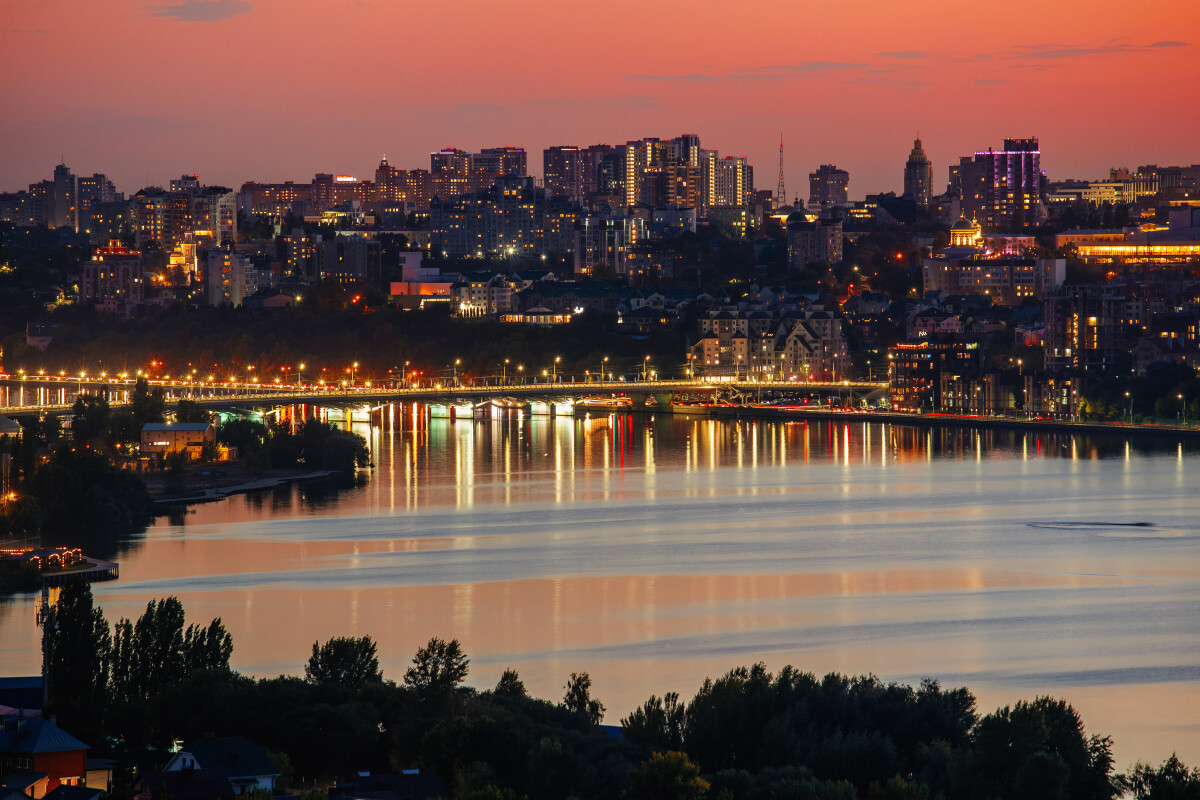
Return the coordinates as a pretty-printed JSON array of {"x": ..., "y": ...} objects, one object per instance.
[
  {"x": 351, "y": 259},
  {"x": 1084, "y": 328},
  {"x": 918, "y": 372},
  {"x": 113, "y": 279},
  {"x": 229, "y": 278},
  {"x": 813, "y": 242},
  {"x": 450, "y": 160},
  {"x": 600, "y": 172},
  {"x": 828, "y": 186},
  {"x": 503, "y": 220},
  {"x": 562, "y": 171},
  {"x": 605, "y": 240},
  {"x": 1002, "y": 189},
  {"x": 1008, "y": 281},
  {"x": 391, "y": 184},
  {"x": 918, "y": 175},
  {"x": 728, "y": 181},
  {"x": 503, "y": 161},
  {"x": 274, "y": 199}
]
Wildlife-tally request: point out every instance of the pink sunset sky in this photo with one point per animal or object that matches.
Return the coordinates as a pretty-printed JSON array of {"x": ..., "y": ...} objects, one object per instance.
[{"x": 274, "y": 90}]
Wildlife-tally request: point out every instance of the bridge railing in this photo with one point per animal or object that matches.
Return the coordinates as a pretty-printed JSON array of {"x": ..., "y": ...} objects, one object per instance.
[{"x": 219, "y": 395}]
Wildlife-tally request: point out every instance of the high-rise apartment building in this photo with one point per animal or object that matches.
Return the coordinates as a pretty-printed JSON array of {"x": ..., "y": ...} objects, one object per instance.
[
  {"x": 65, "y": 201},
  {"x": 1002, "y": 189},
  {"x": 599, "y": 165},
  {"x": 187, "y": 213},
  {"x": 817, "y": 242},
  {"x": 562, "y": 171},
  {"x": 1084, "y": 328},
  {"x": 112, "y": 280},
  {"x": 390, "y": 183},
  {"x": 828, "y": 185},
  {"x": 506, "y": 160},
  {"x": 918, "y": 176},
  {"x": 729, "y": 181},
  {"x": 450, "y": 160}
]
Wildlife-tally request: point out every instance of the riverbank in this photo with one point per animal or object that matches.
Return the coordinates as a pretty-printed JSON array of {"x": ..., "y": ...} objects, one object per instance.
[
  {"x": 216, "y": 481},
  {"x": 957, "y": 421}
]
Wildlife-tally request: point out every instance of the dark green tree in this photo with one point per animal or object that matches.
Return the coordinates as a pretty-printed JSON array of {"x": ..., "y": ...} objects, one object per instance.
[
  {"x": 346, "y": 661},
  {"x": 158, "y": 637},
  {"x": 191, "y": 411},
  {"x": 1039, "y": 749},
  {"x": 1172, "y": 780},
  {"x": 579, "y": 700},
  {"x": 123, "y": 662},
  {"x": 658, "y": 723},
  {"x": 89, "y": 418},
  {"x": 207, "y": 647},
  {"x": 80, "y": 645},
  {"x": 147, "y": 405},
  {"x": 510, "y": 685},
  {"x": 666, "y": 776},
  {"x": 437, "y": 668}
]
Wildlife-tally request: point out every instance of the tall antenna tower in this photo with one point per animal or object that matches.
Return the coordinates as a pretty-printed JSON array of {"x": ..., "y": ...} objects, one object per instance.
[{"x": 780, "y": 192}]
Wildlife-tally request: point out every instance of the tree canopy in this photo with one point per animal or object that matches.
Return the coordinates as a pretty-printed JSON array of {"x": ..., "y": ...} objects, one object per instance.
[{"x": 345, "y": 661}]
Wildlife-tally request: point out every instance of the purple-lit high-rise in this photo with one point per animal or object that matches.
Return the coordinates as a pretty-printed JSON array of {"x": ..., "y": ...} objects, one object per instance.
[{"x": 1002, "y": 188}]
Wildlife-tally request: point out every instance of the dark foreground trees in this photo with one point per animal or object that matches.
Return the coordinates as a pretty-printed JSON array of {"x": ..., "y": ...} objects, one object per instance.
[
  {"x": 99, "y": 679},
  {"x": 345, "y": 661},
  {"x": 746, "y": 734}
]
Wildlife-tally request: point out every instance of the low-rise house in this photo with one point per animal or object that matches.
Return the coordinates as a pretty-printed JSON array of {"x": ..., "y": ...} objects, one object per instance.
[
  {"x": 1164, "y": 350},
  {"x": 189, "y": 438},
  {"x": 411, "y": 784},
  {"x": 243, "y": 763},
  {"x": 38, "y": 753}
]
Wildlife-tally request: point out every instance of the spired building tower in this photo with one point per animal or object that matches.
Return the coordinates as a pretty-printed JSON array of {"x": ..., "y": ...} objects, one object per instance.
[{"x": 918, "y": 175}]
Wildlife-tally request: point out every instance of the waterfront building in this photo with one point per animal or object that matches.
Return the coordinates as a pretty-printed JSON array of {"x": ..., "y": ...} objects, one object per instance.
[
  {"x": 1085, "y": 327},
  {"x": 189, "y": 438},
  {"x": 916, "y": 370}
]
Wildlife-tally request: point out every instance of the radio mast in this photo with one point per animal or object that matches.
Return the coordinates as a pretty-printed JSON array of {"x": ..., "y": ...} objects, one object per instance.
[{"x": 780, "y": 192}]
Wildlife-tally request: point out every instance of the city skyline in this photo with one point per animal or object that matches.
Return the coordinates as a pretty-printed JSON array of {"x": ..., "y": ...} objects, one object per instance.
[{"x": 312, "y": 87}]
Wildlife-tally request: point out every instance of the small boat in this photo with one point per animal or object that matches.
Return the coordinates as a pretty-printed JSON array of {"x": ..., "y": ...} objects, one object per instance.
[
  {"x": 606, "y": 404},
  {"x": 509, "y": 403}
]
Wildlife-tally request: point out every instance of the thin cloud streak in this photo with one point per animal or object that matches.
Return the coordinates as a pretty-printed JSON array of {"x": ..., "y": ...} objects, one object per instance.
[
  {"x": 693, "y": 78},
  {"x": 201, "y": 10},
  {"x": 904, "y": 54},
  {"x": 1055, "y": 51}
]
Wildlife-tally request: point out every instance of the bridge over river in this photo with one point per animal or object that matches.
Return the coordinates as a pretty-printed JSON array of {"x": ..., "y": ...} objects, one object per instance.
[{"x": 55, "y": 395}]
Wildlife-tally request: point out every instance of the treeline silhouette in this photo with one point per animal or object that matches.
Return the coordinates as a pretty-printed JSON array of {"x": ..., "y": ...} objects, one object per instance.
[{"x": 748, "y": 734}]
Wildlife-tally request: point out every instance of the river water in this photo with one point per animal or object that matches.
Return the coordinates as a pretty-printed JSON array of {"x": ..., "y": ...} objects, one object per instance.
[{"x": 655, "y": 551}]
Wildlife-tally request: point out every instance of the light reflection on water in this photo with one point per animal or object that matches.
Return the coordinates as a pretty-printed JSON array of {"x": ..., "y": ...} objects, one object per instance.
[{"x": 652, "y": 552}]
